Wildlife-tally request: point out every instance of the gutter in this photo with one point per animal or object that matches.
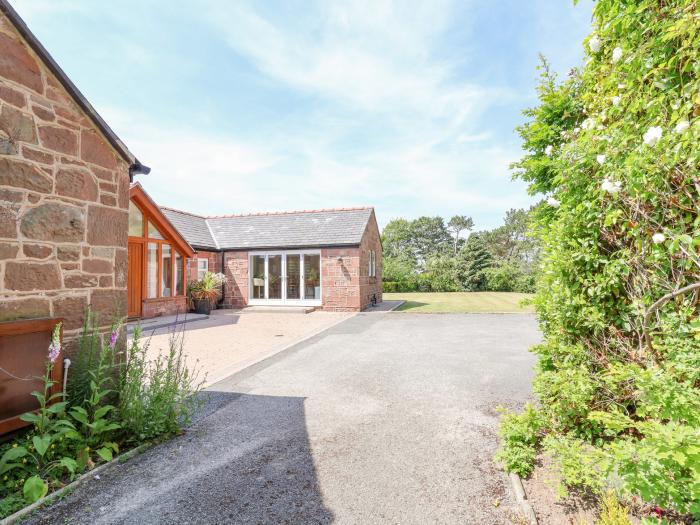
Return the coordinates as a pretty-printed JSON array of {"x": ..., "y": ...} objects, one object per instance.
[{"x": 135, "y": 166}]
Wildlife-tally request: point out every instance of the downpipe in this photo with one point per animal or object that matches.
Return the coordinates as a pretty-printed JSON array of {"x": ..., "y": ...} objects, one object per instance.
[{"x": 66, "y": 366}]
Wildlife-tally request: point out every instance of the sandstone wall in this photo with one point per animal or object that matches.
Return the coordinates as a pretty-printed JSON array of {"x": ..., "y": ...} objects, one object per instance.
[{"x": 64, "y": 195}]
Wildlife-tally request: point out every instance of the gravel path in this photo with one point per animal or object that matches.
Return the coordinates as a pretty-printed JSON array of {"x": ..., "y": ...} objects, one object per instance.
[{"x": 384, "y": 418}]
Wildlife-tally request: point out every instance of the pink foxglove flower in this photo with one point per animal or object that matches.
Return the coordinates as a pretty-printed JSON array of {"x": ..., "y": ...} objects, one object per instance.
[
  {"x": 113, "y": 338},
  {"x": 55, "y": 345}
]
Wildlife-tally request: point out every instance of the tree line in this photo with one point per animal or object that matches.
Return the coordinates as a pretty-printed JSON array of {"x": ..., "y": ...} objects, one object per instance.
[{"x": 431, "y": 254}]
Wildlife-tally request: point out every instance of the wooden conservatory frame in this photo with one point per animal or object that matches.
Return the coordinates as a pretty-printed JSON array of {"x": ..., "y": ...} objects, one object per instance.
[{"x": 138, "y": 254}]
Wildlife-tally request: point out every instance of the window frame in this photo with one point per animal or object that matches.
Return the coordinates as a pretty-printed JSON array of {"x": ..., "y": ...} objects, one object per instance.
[
  {"x": 372, "y": 264},
  {"x": 200, "y": 272},
  {"x": 144, "y": 240}
]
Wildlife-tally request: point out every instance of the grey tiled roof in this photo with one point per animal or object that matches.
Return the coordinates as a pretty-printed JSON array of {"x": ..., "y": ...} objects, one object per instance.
[
  {"x": 192, "y": 227},
  {"x": 305, "y": 229}
]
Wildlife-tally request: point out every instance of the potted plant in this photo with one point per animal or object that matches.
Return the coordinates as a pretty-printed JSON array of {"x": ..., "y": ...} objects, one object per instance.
[{"x": 206, "y": 292}]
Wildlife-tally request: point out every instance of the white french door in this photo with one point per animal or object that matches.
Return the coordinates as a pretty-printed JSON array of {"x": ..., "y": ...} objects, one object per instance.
[{"x": 291, "y": 277}]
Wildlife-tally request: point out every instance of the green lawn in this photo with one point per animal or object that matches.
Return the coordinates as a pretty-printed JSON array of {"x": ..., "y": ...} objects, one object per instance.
[{"x": 461, "y": 302}]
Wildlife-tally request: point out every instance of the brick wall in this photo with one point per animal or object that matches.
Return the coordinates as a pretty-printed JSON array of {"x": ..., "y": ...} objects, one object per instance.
[
  {"x": 340, "y": 279},
  {"x": 236, "y": 270},
  {"x": 64, "y": 195},
  {"x": 370, "y": 285},
  {"x": 214, "y": 263},
  {"x": 164, "y": 306}
]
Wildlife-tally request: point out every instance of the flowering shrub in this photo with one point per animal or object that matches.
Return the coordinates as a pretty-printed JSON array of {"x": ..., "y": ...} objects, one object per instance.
[
  {"x": 117, "y": 396},
  {"x": 615, "y": 148}
]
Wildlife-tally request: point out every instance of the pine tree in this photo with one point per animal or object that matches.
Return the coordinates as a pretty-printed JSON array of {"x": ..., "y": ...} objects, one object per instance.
[{"x": 473, "y": 260}]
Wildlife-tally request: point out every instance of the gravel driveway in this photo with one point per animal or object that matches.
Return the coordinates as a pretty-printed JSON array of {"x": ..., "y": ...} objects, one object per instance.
[{"x": 384, "y": 418}]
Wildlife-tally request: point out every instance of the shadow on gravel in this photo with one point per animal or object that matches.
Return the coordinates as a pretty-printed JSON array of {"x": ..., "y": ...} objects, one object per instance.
[{"x": 244, "y": 459}]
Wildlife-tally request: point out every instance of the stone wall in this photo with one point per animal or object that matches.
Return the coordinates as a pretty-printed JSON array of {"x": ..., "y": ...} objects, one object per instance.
[
  {"x": 340, "y": 279},
  {"x": 164, "y": 306},
  {"x": 214, "y": 259},
  {"x": 236, "y": 270},
  {"x": 370, "y": 285},
  {"x": 64, "y": 195}
]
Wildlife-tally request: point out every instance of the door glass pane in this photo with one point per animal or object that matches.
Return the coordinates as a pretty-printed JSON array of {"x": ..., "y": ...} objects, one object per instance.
[
  {"x": 135, "y": 221},
  {"x": 179, "y": 273},
  {"x": 153, "y": 232},
  {"x": 293, "y": 276},
  {"x": 274, "y": 277},
  {"x": 257, "y": 277},
  {"x": 166, "y": 272},
  {"x": 152, "y": 270},
  {"x": 312, "y": 276}
]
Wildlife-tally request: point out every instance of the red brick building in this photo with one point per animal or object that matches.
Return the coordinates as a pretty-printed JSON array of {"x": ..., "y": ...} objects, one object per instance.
[
  {"x": 64, "y": 191},
  {"x": 329, "y": 259}
]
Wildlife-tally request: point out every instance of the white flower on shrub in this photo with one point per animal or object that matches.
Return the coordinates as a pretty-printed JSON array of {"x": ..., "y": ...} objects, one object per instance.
[
  {"x": 616, "y": 101},
  {"x": 616, "y": 55},
  {"x": 588, "y": 124},
  {"x": 594, "y": 44},
  {"x": 658, "y": 238},
  {"x": 621, "y": 86},
  {"x": 652, "y": 136},
  {"x": 682, "y": 126},
  {"x": 577, "y": 129},
  {"x": 548, "y": 150},
  {"x": 554, "y": 203},
  {"x": 611, "y": 186},
  {"x": 600, "y": 159}
]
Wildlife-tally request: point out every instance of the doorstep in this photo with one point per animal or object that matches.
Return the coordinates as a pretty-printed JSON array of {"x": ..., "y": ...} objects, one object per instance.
[
  {"x": 278, "y": 309},
  {"x": 163, "y": 321}
]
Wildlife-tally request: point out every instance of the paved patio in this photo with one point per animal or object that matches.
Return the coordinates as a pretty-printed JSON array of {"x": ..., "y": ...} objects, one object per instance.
[{"x": 231, "y": 340}]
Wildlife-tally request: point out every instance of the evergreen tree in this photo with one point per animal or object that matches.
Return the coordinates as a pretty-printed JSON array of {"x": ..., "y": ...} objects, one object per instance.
[{"x": 473, "y": 261}]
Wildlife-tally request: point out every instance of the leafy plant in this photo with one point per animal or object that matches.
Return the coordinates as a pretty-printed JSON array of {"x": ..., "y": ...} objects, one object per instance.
[
  {"x": 520, "y": 435},
  {"x": 614, "y": 151},
  {"x": 50, "y": 427},
  {"x": 92, "y": 417},
  {"x": 208, "y": 288},
  {"x": 612, "y": 512},
  {"x": 155, "y": 396}
]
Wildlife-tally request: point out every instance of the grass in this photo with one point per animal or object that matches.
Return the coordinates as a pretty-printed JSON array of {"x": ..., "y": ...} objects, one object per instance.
[{"x": 462, "y": 302}]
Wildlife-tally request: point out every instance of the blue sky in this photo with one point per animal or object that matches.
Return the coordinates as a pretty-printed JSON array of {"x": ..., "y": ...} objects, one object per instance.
[{"x": 262, "y": 106}]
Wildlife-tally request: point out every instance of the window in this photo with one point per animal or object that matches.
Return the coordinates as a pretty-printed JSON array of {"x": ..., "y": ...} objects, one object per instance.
[
  {"x": 179, "y": 274},
  {"x": 152, "y": 271},
  {"x": 312, "y": 276},
  {"x": 153, "y": 232},
  {"x": 202, "y": 268},
  {"x": 163, "y": 268},
  {"x": 135, "y": 221},
  {"x": 166, "y": 272},
  {"x": 372, "y": 261}
]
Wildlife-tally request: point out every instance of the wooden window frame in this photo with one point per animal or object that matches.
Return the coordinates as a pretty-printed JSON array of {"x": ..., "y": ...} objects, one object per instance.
[{"x": 144, "y": 240}]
